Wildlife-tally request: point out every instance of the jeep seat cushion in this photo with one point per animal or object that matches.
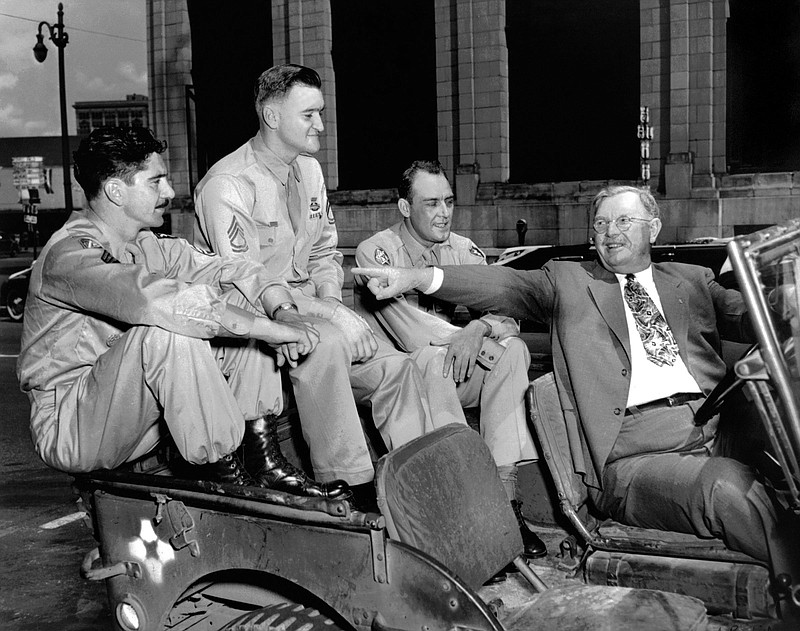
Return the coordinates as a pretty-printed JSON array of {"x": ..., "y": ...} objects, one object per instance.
[{"x": 441, "y": 494}]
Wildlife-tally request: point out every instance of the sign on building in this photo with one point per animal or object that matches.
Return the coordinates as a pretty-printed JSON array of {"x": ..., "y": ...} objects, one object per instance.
[{"x": 28, "y": 171}]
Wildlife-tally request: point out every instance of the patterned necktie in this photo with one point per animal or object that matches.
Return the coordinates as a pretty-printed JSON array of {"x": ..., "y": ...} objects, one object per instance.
[{"x": 658, "y": 341}]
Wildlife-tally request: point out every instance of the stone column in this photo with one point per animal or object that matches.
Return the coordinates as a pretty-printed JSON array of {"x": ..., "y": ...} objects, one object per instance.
[
  {"x": 302, "y": 34},
  {"x": 683, "y": 81},
  {"x": 678, "y": 170},
  {"x": 472, "y": 93},
  {"x": 654, "y": 78},
  {"x": 169, "y": 60},
  {"x": 706, "y": 90}
]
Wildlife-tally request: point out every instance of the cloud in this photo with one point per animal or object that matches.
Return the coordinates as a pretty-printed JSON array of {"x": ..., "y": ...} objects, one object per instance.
[
  {"x": 16, "y": 45},
  {"x": 7, "y": 80},
  {"x": 94, "y": 84},
  {"x": 101, "y": 61},
  {"x": 127, "y": 71},
  {"x": 13, "y": 123}
]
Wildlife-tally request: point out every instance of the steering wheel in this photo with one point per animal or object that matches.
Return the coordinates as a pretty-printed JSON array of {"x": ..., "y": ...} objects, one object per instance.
[{"x": 730, "y": 383}]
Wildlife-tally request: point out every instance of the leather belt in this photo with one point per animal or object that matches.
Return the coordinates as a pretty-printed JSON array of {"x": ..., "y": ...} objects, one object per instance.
[{"x": 666, "y": 402}]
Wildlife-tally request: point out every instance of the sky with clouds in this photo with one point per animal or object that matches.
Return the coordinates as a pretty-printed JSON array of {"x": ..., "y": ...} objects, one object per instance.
[{"x": 105, "y": 59}]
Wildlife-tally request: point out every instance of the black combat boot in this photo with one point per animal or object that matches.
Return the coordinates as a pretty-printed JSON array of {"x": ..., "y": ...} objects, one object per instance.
[
  {"x": 228, "y": 470},
  {"x": 263, "y": 459},
  {"x": 534, "y": 547}
]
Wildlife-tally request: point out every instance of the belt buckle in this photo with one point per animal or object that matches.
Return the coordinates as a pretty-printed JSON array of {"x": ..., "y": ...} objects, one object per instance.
[{"x": 671, "y": 401}]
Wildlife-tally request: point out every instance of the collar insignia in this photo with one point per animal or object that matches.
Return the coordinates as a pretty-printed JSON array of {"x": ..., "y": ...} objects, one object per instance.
[
  {"x": 107, "y": 257},
  {"x": 90, "y": 244},
  {"x": 476, "y": 251}
]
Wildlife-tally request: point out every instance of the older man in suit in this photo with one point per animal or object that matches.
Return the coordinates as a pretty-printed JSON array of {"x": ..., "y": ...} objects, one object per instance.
[{"x": 636, "y": 347}]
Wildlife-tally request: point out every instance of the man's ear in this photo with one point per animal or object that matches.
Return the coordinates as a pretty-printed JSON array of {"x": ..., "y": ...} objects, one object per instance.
[
  {"x": 655, "y": 228},
  {"x": 114, "y": 190},
  {"x": 270, "y": 116},
  {"x": 404, "y": 206}
]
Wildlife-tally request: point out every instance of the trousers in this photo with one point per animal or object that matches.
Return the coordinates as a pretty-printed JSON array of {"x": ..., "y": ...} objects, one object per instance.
[
  {"x": 684, "y": 489},
  {"x": 327, "y": 389},
  {"x": 500, "y": 393},
  {"x": 112, "y": 412}
]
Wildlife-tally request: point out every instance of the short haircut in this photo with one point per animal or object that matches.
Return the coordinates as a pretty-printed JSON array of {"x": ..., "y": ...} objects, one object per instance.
[
  {"x": 278, "y": 80},
  {"x": 645, "y": 196},
  {"x": 110, "y": 152},
  {"x": 434, "y": 167}
]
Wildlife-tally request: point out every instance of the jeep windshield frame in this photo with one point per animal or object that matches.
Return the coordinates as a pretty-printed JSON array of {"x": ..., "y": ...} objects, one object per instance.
[{"x": 767, "y": 267}]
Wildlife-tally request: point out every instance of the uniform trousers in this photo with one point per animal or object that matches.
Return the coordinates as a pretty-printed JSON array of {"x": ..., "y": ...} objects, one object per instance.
[
  {"x": 500, "y": 393},
  {"x": 674, "y": 484},
  {"x": 111, "y": 413},
  {"x": 327, "y": 387}
]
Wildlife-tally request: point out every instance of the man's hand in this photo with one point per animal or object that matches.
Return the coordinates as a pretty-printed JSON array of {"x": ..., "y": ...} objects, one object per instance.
[
  {"x": 463, "y": 348},
  {"x": 388, "y": 282},
  {"x": 291, "y": 335},
  {"x": 357, "y": 333}
]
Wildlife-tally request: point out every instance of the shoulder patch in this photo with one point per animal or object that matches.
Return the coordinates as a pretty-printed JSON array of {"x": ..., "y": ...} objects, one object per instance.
[
  {"x": 89, "y": 244},
  {"x": 381, "y": 256},
  {"x": 476, "y": 251},
  {"x": 329, "y": 213}
]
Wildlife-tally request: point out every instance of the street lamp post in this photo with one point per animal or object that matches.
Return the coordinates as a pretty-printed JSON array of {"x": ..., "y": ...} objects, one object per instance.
[{"x": 60, "y": 38}]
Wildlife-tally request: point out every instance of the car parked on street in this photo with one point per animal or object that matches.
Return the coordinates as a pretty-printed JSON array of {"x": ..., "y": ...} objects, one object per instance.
[
  {"x": 9, "y": 244},
  {"x": 708, "y": 253},
  {"x": 14, "y": 293}
]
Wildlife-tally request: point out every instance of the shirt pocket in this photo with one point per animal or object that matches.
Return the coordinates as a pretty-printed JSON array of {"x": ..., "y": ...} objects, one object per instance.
[{"x": 268, "y": 235}]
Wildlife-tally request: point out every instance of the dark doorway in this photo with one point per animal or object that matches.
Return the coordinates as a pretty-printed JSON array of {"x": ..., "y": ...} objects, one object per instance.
[
  {"x": 573, "y": 89},
  {"x": 384, "y": 57},
  {"x": 763, "y": 90},
  {"x": 231, "y": 47}
]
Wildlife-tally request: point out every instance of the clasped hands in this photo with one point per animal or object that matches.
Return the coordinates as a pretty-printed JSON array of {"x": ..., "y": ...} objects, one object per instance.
[{"x": 290, "y": 334}]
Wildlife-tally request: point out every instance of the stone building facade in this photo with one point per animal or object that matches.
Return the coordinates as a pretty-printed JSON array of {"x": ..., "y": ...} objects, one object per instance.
[{"x": 683, "y": 78}]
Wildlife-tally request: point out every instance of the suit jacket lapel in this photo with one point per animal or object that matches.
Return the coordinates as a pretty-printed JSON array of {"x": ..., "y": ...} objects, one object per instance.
[
  {"x": 673, "y": 300},
  {"x": 604, "y": 289}
]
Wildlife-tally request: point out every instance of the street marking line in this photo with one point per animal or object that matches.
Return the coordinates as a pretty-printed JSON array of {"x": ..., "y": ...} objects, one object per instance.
[
  {"x": 8, "y": 356},
  {"x": 63, "y": 521}
]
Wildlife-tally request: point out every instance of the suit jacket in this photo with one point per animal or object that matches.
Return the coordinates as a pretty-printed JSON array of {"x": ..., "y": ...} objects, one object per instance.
[{"x": 589, "y": 336}]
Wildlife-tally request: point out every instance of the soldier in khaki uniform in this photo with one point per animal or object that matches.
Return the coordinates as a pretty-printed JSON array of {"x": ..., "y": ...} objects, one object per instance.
[
  {"x": 267, "y": 202},
  {"x": 116, "y": 328},
  {"x": 483, "y": 364}
]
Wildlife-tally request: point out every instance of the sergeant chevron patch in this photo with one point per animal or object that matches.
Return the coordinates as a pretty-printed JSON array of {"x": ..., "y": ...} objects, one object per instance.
[{"x": 236, "y": 236}]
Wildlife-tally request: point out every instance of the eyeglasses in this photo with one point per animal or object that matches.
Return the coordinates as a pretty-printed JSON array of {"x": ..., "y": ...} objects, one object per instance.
[{"x": 600, "y": 226}]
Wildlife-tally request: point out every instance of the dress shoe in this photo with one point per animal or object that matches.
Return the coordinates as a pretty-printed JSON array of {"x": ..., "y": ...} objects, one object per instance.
[
  {"x": 364, "y": 498},
  {"x": 534, "y": 547},
  {"x": 228, "y": 470},
  {"x": 262, "y": 457}
]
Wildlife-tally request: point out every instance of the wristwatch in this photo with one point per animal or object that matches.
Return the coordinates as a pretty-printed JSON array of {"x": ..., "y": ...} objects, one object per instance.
[{"x": 284, "y": 306}]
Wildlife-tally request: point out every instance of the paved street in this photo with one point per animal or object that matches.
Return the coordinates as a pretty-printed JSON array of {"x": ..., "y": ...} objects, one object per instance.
[{"x": 41, "y": 586}]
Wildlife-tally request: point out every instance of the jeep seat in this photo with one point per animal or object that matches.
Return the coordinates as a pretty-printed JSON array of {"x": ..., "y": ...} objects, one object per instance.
[
  {"x": 725, "y": 580},
  {"x": 441, "y": 494}
]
